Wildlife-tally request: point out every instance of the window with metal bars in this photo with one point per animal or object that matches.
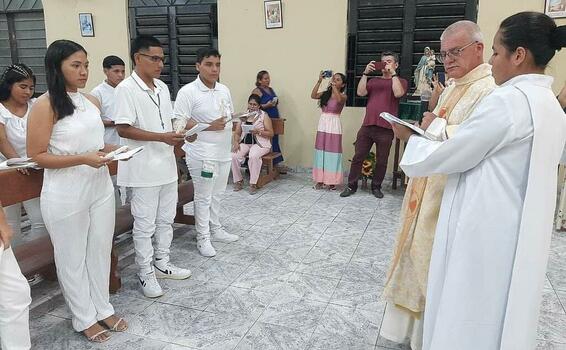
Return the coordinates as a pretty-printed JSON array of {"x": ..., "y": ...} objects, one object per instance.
[
  {"x": 182, "y": 26},
  {"x": 402, "y": 26},
  {"x": 22, "y": 37}
]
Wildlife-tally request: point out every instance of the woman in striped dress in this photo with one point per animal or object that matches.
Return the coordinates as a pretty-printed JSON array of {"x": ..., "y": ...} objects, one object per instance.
[{"x": 327, "y": 167}]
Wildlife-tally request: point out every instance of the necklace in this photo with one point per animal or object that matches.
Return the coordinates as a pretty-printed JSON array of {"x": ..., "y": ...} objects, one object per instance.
[{"x": 78, "y": 100}]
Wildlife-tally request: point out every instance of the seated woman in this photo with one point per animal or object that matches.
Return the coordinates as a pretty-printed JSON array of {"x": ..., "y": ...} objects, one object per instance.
[
  {"x": 255, "y": 144},
  {"x": 16, "y": 91}
]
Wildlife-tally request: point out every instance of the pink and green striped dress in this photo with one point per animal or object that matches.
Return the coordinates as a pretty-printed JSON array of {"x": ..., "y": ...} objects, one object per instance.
[{"x": 327, "y": 167}]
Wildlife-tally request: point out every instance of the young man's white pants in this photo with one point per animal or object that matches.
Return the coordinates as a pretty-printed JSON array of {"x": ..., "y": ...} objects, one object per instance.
[
  {"x": 14, "y": 218},
  {"x": 14, "y": 303},
  {"x": 207, "y": 194},
  {"x": 81, "y": 227},
  {"x": 153, "y": 209}
]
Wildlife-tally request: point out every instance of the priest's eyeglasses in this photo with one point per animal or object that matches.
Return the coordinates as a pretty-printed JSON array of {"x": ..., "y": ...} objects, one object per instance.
[{"x": 456, "y": 52}]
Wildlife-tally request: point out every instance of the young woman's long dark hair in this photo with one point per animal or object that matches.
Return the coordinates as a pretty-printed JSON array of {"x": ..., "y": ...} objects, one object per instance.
[
  {"x": 56, "y": 53},
  {"x": 534, "y": 31},
  {"x": 13, "y": 74},
  {"x": 328, "y": 93}
]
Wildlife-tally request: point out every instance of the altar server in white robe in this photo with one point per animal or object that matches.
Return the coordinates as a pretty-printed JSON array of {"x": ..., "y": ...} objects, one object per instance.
[{"x": 493, "y": 234}]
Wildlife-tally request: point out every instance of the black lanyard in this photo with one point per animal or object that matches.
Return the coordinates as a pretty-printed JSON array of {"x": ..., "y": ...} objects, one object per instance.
[{"x": 157, "y": 104}]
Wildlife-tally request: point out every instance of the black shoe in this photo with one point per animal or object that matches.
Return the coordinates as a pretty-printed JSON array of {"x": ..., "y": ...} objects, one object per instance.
[
  {"x": 377, "y": 193},
  {"x": 347, "y": 192}
]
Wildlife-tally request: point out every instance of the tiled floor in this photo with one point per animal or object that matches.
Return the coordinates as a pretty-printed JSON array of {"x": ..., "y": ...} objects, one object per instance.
[{"x": 307, "y": 273}]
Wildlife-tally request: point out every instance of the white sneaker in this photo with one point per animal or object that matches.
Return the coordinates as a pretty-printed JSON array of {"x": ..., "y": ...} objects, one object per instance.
[
  {"x": 150, "y": 286},
  {"x": 220, "y": 235},
  {"x": 168, "y": 270},
  {"x": 205, "y": 248}
]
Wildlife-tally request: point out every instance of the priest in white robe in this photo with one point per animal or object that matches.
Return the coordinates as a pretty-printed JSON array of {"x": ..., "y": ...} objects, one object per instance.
[
  {"x": 493, "y": 234},
  {"x": 462, "y": 53}
]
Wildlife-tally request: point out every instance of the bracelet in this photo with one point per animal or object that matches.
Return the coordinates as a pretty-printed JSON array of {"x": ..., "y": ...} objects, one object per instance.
[{"x": 393, "y": 75}]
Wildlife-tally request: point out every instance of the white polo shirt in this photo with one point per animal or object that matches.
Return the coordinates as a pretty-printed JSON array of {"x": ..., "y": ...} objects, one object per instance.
[
  {"x": 139, "y": 106},
  {"x": 104, "y": 92},
  {"x": 196, "y": 101}
]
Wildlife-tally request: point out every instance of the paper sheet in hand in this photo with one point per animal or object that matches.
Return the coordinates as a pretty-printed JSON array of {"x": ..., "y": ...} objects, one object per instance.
[
  {"x": 243, "y": 116},
  {"x": 196, "y": 129},
  {"x": 393, "y": 119},
  {"x": 17, "y": 163},
  {"x": 246, "y": 129},
  {"x": 129, "y": 154},
  {"x": 111, "y": 155}
]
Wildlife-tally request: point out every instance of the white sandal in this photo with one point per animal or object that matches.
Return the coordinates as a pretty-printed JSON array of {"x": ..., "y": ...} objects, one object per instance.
[
  {"x": 114, "y": 328},
  {"x": 95, "y": 339}
]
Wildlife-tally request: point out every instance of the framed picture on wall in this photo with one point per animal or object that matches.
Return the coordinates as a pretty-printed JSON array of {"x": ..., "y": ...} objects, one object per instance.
[
  {"x": 86, "y": 25},
  {"x": 555, "y": 8},
  {"x": 273, "y": 14}
]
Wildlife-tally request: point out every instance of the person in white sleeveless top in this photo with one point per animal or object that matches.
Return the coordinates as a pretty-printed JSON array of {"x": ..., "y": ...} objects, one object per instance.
[
  {"x": 16, "y": 91},
  {"x": 143, "y": 112},
  {"x": 14, "y": 295},
  {"x": 66, "y": 137}
]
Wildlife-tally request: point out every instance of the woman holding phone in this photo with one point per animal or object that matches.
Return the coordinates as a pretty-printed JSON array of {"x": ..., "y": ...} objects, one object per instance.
[{"x": 327, "y": 167}]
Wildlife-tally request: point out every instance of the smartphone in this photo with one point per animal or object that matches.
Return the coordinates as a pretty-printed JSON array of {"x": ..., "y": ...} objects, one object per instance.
[
  {"x": 442, "y": 78},
  {"x": 327, "y": 73},
  {"x": 379, "y": 65}
]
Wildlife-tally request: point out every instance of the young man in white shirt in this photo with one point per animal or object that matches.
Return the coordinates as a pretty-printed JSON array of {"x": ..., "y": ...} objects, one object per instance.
[
  {"x": 207, "y": 101},
  {"x": 143, "y": 113},
  {"x": 115, "y": 71}
]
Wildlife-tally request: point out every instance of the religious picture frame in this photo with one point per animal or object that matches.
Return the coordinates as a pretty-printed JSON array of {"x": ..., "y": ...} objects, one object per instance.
[
  {"x": 273, "y": 11},
  {"x": 555, "y": 8},
  {"x": 86, "y": 24}
]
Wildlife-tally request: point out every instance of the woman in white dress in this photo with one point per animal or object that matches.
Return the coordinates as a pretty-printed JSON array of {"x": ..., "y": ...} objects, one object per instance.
[
  {"x": 16, "y": 91},
  {"x": 66, "y": 137}
]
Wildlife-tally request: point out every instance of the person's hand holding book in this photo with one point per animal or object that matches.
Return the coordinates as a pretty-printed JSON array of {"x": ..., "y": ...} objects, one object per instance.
[{"x": 428, "y": 118}]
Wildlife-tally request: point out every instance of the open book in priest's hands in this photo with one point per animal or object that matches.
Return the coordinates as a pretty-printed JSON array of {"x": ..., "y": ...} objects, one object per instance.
[{"x": 393, "y": 119}]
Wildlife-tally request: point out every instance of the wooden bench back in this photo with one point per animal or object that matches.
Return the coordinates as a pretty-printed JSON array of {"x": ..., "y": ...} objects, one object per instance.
[
  {"x": 278, "y": 126},
  {"x": 16, "y": 187}
]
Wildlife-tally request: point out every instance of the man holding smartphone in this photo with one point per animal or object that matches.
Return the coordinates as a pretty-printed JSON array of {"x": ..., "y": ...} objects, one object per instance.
[{"x": 384, "y": 93}]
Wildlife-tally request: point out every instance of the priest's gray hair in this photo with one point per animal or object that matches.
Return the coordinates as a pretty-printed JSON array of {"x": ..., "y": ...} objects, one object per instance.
[{"x": 469, "y": 27}]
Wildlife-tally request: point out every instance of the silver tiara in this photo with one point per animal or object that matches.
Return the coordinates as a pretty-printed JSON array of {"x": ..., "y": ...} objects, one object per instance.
[{"x": 18, "y": 69}]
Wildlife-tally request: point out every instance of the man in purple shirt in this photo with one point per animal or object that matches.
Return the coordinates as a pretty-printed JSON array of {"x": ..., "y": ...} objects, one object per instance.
[{"x": 384, "y": 93}]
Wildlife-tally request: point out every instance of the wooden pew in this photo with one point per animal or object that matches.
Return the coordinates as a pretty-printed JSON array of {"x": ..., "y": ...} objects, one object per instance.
[
  {"x": 271, "y": 171},
  {"x": 36, "y": 256}
]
